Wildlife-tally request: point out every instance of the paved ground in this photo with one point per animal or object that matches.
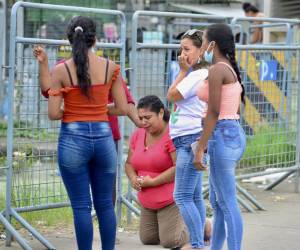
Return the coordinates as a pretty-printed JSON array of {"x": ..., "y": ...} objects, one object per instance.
[{"x": 278, "y": 228}]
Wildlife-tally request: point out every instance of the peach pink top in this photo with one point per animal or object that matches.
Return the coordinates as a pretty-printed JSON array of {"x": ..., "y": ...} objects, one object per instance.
[{"x": 230, "y": 97}]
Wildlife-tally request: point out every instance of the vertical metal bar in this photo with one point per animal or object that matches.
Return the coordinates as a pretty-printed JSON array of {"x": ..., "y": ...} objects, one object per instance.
[
  {"x": 297, "y": 175},
  {"x": 122, "y": 125},
  {"x": 169, "y": 58},
  {"x": 10, "y": 123},
  {"x": 2, "y": 40},
  {"x": 287, "y": 78},
  {"x": 129, "y": 199},
  {"x": 133, "y": 61},
  {"x": 133, "y": 66}
]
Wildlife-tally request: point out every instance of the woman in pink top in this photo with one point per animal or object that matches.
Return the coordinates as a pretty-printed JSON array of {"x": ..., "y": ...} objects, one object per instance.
[
  {"x": 223, "y": 133},
  {"x": 150, "y": 167}
]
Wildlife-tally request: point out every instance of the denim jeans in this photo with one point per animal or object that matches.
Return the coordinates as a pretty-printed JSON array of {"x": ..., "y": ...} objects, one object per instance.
[
  {"x": 87, "y": 160},
  {"x": 225, "y": 147},
  {"x": 188, "y": 190}
]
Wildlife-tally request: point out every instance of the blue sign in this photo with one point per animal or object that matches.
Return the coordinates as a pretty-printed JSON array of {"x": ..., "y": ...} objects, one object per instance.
[{"x": 268, "y": 70}]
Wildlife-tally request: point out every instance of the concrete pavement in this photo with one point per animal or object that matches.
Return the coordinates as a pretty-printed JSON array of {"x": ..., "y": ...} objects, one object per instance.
[{"x": 278, "y": 228}]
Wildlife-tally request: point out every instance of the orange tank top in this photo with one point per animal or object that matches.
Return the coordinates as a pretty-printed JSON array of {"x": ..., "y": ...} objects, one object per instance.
[
  {"x": 78, "y": 107},
  {"x": 230, "y": 97}
]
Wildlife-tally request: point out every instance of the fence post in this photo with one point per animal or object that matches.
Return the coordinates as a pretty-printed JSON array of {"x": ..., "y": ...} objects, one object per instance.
[{"x": 297, "y": 173}]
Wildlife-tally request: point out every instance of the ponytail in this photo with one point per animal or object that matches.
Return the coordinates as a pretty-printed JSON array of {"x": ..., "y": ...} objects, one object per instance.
[
  {"x": 80, "y": 57},
  {"x": 81, "y": 33},
  {"x": 166, "y": 116}
]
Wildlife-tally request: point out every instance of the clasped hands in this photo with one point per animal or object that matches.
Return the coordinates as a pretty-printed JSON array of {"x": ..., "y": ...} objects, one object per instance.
[{"x": 139, "y": 182}]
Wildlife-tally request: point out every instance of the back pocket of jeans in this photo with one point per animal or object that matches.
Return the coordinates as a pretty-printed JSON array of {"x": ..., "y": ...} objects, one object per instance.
[{"x": 231, "y": 137}]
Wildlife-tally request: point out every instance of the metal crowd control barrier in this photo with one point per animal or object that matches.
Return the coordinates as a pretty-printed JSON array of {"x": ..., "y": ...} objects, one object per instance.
[
  {"x": 150, "y": 66},
  {"x": 271, "y": 112},
  {"x": 31, "y": 179},
  {"x": 287, "y": 61},
  {"x": 271, "y": 115},
  {"x": 264, "y": 22}
]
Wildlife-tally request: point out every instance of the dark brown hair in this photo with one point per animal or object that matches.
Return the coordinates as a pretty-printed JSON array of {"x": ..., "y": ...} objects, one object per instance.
[
  {"x": 154, "y": 104},
  {"x": 223, "y": 37},
  {"x": 81, "y": 33}
]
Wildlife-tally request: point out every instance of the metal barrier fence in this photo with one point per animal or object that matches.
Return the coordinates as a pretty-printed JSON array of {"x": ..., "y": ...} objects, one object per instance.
[
  {"x": 285, "y": 26},
  {"x": 270, "y": 118},
  {"x": 32, "y": 179},
  {"x": 270, "y": 74}
]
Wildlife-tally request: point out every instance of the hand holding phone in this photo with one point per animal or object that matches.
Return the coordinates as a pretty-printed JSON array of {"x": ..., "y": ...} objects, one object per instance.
[{"x": 205, "y": 158}]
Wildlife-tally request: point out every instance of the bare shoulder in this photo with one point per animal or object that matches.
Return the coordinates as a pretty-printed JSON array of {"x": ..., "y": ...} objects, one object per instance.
[
  {"x": 59, "y": 68},
  {"x": 260, "y": 14},
  {"x": 217, "y": 72},
  {"x": 217, "y": 68},
  {"x": 111, "y": 64}
]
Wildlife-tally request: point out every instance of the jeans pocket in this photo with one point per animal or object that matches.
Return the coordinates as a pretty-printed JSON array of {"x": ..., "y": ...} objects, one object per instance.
[{"x": 231, "y": 137}]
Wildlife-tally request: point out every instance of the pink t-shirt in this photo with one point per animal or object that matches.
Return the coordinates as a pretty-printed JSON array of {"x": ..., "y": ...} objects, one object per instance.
[{"x": 152, "y": 161}]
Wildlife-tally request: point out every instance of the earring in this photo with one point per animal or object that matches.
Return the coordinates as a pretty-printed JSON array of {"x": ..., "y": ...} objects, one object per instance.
[{"x": 199, "y": 60}]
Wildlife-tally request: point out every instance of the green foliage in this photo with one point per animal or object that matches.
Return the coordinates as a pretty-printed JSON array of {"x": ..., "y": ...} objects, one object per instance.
[
  {"x": 39, "y": 16},
  {"x": 271, "y": 146},
  {"x": 23, "y": 130},
  {"x": 51, "y": 217}
]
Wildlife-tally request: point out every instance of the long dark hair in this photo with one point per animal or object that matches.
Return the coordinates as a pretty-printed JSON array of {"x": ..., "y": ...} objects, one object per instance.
[
  {"x": 154, "y": 104},
  {"x": 223, "y": 37},
  {"x": 81, "y": 33}
]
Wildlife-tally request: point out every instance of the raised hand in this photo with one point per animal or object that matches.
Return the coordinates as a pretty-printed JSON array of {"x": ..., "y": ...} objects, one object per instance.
[
  {"x": 40, "y": 54},
  {"x": 183, "y": 63}
]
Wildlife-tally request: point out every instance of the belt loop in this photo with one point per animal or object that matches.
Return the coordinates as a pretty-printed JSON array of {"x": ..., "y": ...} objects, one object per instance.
[{"x": 90, "y": 128}]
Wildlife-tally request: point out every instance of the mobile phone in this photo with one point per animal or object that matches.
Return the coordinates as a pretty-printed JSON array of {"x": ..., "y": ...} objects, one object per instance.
[{"x": 205, "y": 158}]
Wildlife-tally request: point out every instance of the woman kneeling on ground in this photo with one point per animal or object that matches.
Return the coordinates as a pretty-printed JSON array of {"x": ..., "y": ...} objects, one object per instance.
[{"x": 150, "y": 167}]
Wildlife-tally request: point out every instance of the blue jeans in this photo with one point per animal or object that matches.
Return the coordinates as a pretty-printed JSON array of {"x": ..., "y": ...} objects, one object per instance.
[
  {"x": 87, "y": 161},
  {"x": 225, "y": 147},
  {"x": 188, "y": 190}
]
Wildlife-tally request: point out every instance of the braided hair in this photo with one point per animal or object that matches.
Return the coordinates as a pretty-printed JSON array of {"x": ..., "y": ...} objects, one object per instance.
[
  {"x": 223, "y": 37},
  {"x": 81, "y": 33}
]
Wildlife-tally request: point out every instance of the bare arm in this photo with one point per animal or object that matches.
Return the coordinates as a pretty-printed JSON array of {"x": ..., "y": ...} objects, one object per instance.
[
  {"x": 55, "y": 102},
  {"x": 118, "y": 94},
  {"x": 44, "y": 74},
  {"x": 165, "y": 177},
  {"x": 131, "y": 173},
  {"x": 215, "y": 79},
  {"x": 173, "y": 94},
  {"x": 133, "y": 116},
  {"x": 257, "y": 35},
  {"x": 257, "y": 32}
]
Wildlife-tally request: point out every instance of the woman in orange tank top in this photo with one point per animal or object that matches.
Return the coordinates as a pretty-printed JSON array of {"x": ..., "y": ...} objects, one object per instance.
[
  {"x": 222, "y": 134},
  {"x": 86, "y": 151}
]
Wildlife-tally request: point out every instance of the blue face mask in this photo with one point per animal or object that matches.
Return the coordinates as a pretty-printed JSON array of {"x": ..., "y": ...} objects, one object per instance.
[{"x": 208, "y": 56}]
